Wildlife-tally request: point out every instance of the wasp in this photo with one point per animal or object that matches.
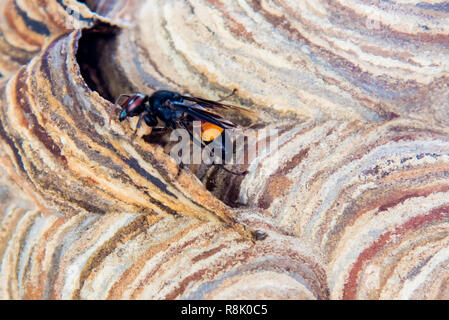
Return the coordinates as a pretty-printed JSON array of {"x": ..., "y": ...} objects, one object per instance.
[
  {"x": 168, "y": 109},
  {"x": 174, "y": 110}
]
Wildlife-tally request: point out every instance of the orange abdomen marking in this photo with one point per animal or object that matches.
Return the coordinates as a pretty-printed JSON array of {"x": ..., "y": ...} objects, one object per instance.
[{"x": 209, "y": 131}]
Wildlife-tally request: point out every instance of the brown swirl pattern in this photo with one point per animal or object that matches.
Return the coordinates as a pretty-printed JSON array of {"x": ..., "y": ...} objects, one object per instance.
[
  {"x": 131, "y": 256},
  {"x": 378, "y": 198},
  {"x": 354, "y": 200},
  {"x": 321, "y": 59},
  {"x": 27, "y": 26}
]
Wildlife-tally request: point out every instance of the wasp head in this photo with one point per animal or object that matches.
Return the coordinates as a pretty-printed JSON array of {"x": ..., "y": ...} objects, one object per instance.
[{"x": 132, "y": 106}]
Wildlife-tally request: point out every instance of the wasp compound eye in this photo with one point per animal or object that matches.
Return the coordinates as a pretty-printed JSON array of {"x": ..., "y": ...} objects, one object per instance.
[{"x": 123, "y": 115}]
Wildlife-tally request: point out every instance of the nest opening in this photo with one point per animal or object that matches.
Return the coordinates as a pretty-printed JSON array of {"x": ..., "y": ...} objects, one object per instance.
[
  {"x": 97, "y": 59},
  {"x": 91, "y": 4},
  {"x": 93, "y": 57}
]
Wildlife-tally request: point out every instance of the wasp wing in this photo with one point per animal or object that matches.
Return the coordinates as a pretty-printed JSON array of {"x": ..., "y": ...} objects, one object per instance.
[
  {"x": 210, "y": 104},
  {"x": 202, "y": 114}
]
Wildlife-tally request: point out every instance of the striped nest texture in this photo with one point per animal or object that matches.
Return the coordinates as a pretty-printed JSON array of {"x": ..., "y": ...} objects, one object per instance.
[{"x": 354, "y": 202}]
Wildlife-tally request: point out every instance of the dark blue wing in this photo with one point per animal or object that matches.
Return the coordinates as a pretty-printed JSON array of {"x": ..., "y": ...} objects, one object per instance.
[{"x": 200, "y": 113}]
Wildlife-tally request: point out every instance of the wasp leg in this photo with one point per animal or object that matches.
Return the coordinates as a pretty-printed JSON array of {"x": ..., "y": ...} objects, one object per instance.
[
  {"x": 195, "y": 140},
  {"x": 139, "y": 123},
  {"x": 182, "y": 125},
  {"x": 181, "y": 166},
  {"x": 159, "y": 129},
  {"x": 223, "y": 146},
  {"x": 149, "y": 120},
  {"x": 223, "y": 141},
  {"x": 228, "y": 96},
  {"x": 233, "y": 172},
  {"x": 152, "y": 122}
]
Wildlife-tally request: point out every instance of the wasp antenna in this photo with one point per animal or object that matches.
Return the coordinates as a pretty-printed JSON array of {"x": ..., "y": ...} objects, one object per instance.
[
  {"x": 111, "y": 114},
  {"x": 116, "y": 103},
  {"x": 120, "y": 96}
]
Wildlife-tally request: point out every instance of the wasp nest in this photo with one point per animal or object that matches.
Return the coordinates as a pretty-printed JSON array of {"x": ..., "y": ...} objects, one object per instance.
[{"x": 355, "y": 202}]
